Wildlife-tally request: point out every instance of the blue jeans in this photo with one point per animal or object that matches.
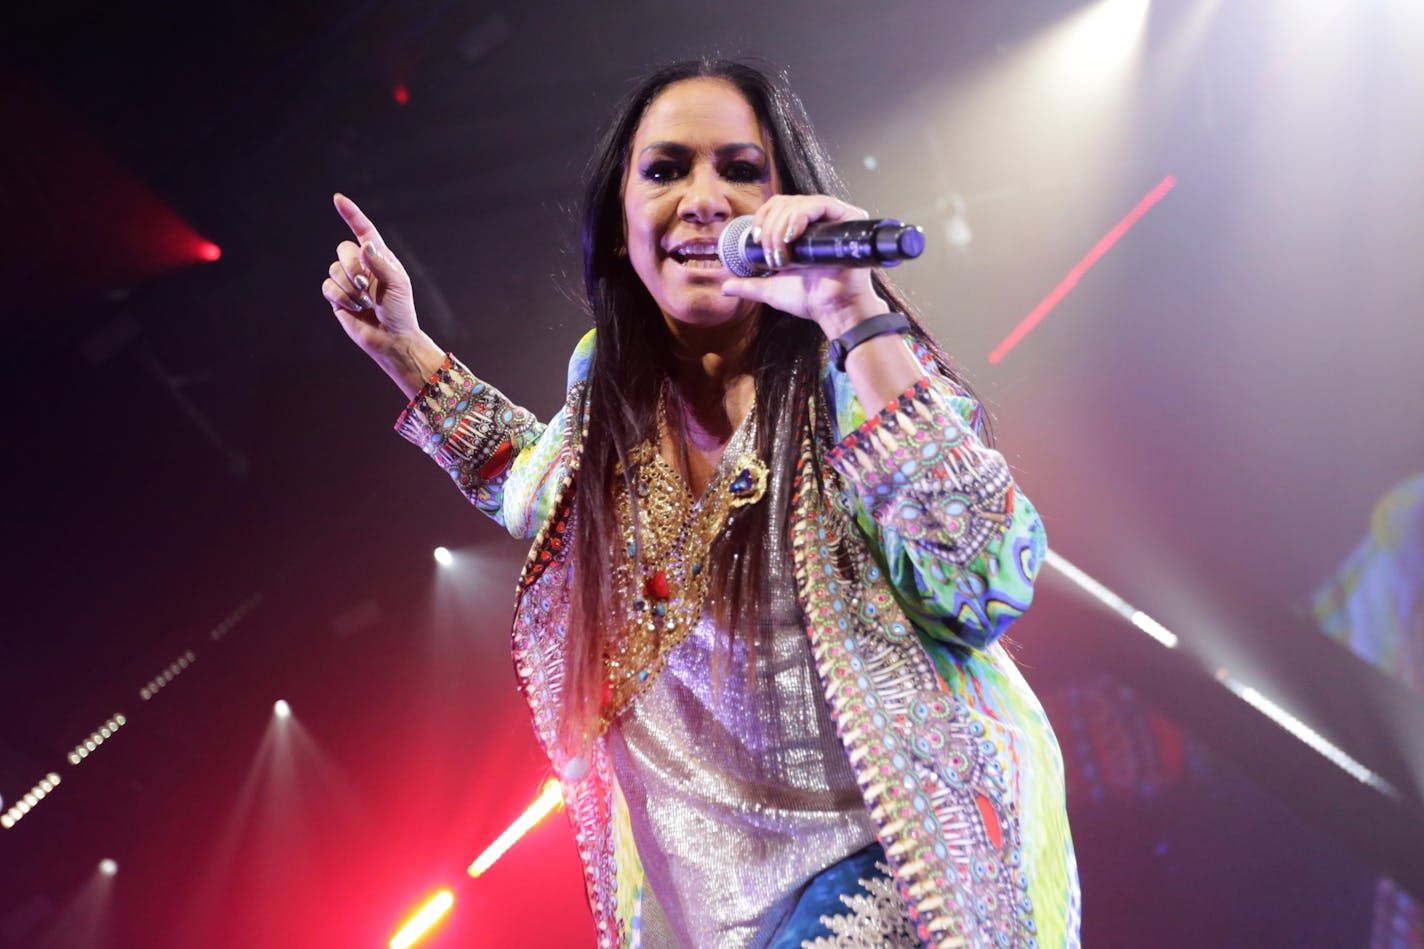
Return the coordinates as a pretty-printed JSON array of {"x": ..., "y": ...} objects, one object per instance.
[{"x": 822, "y": 897}]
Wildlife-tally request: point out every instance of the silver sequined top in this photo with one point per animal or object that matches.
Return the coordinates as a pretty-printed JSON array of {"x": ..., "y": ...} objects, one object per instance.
[{"x": 738, "y": 793}]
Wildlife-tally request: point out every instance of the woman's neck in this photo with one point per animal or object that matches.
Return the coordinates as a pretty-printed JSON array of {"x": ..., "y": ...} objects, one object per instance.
[{"x": 709, "y": 372}]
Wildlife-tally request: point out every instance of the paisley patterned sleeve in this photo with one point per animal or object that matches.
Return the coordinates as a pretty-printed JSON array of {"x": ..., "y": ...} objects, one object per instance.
[
  {"x": 498, "y": 454},
  {"x": 960, "y": 542}
]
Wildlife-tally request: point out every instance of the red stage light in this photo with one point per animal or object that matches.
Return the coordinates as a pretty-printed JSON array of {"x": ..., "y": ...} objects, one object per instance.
[
  {"x": 91, "y": 226},
  {"x": 400, "y": 93},
  {"x": 1083, "y": 266}
]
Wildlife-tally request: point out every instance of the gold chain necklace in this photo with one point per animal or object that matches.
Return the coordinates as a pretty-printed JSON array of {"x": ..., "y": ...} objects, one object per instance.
[{"x": 663, "y": 570}]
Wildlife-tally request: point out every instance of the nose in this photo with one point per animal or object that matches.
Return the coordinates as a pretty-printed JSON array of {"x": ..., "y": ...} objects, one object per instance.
[{"x": 704, "y": 199}]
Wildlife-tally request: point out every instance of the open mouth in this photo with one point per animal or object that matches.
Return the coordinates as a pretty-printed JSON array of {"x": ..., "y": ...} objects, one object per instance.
[{"x": 699, "y": 253}]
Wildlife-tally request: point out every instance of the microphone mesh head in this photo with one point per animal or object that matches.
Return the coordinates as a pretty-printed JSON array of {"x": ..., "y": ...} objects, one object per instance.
[{"x": 732, "y": 247}]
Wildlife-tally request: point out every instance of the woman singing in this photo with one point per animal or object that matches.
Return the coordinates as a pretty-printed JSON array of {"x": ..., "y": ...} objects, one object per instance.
[{"x": 773, "y": 554}]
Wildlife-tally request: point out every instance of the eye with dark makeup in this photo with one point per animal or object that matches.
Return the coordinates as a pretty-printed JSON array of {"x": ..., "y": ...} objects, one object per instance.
[
  {"x": 744, "y": 172},
  {"x": 662, "y": 170}
]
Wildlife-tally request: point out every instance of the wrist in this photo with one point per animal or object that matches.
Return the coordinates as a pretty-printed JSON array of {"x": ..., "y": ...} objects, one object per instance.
[
  {"x": 880, "y": 326},
  {"x": 412, "y": 361},
  {"x": 842, "y": 319}
]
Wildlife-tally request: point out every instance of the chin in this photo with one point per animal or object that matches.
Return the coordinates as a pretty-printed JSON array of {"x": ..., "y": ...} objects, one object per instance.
[{"x": 711, "y": 312}]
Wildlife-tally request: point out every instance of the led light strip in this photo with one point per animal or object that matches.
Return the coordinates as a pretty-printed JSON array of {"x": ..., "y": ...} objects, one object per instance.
[
  {"x": 97, "y": 737},
  {"x": 549, "y": 800},
  {"x": 175, "y": 668},
  {"x": 1330, "y": 751},
  {"x": 421, "y": 922},
  {"x": 225, "y": 627},
  {"x": 545, "y": 803},
  {"x": 1065, "y": 285},
  {"x": 32, "y": 798},
  {"x": 1113, "y": 602},
  {"x": 178, "y": 666},
  {"x": 80, "y": 752}
]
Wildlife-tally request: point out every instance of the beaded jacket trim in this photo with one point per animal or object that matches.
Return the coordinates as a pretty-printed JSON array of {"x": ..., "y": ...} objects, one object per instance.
[{"x": 929, "y": 777}]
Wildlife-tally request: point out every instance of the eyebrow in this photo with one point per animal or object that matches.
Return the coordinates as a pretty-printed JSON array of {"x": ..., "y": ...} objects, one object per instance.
[{"x": 677, "y": 148}]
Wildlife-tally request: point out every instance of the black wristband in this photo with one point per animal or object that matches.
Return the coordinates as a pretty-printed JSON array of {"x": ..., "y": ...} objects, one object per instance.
[{"x": 881, "y": 325}]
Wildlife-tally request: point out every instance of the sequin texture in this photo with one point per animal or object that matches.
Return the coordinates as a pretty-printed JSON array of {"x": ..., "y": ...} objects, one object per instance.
[{"x": 739, "y": 791}]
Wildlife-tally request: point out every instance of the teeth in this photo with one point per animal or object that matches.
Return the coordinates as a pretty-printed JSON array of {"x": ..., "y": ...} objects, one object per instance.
[{"x": 700, "y": 249}]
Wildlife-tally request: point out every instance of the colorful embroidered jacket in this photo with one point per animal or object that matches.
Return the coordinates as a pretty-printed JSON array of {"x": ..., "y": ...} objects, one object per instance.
[{"x": 912, "y": 553}]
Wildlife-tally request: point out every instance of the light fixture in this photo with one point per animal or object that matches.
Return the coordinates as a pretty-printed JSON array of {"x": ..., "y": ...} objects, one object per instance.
[
  {"x": 1326, "y": 748},
  {"x": 1112, "y": 601},
  {"x": 96, "y": 738},
  {"x": 1056, "y": 295},
  {"x": 549, "y": 799},
  {"x": 171, "y": 672},
  {"x": 421, "y": 922},
  {"x": 29, "y": 800}
]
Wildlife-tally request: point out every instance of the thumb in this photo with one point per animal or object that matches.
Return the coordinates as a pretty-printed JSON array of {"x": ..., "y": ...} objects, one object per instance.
[
  {"x": 779, "y": 291},
  {"x": 784, "y": 292},
  {"x": 744, "y": 287},
  {"x": 380, "y": 263}
]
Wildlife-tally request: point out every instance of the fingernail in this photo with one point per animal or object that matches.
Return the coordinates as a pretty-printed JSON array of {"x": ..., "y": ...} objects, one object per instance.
[
  {"x": 367, "y": 302},
  {"x": 361, "y": 282},
  {"x": 756, "y": 234},
  {"x": 779, "y": 258},
  {"x": 790, "y": 228},
  {"x": 374, "y": 251}
]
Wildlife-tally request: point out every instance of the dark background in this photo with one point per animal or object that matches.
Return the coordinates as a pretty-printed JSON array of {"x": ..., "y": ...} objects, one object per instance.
[{"x": 198, "y": 461}]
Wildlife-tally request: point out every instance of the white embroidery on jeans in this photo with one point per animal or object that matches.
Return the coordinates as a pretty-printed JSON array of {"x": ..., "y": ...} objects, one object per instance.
[{"x": 877, "y": 919}]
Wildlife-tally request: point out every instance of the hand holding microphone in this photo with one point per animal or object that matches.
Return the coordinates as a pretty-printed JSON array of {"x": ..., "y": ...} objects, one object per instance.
[
  {"x": 854, "y": 243},
  {"x": 809, "y": 255}
]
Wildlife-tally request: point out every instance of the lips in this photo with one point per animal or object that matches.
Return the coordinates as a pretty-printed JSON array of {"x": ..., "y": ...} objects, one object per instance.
[{"x": 699, "y": 252}]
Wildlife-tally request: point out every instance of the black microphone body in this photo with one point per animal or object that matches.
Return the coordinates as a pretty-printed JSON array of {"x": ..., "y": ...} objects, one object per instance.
[{"x": 873, "y": 243}]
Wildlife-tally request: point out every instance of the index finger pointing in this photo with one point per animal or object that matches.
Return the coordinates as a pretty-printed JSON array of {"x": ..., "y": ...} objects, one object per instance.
[{"x": 356, "y": 219}]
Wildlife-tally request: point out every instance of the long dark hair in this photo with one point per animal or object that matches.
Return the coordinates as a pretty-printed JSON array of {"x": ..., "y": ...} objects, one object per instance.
[{"x": 631, "y": 356}]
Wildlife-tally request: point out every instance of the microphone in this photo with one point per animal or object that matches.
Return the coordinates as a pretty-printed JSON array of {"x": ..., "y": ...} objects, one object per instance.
[{"x": 873, "y": 243}]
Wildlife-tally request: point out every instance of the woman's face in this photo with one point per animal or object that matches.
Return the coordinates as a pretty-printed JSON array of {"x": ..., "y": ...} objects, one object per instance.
[{"x": 699, "y": 158}]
